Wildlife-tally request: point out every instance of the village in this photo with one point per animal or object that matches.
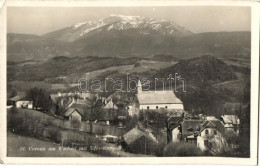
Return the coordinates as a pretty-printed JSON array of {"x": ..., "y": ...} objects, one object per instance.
[{"x": 149, "y": 123}]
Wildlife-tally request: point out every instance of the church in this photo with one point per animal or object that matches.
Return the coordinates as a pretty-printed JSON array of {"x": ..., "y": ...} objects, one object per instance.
[{"x": 151, "y": 100}]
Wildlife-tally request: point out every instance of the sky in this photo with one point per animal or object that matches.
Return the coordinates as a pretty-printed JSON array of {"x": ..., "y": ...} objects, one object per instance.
[{"x": 41, "y": 20}]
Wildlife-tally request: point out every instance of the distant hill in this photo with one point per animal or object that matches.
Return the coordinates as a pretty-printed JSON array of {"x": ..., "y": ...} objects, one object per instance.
[
  {"x": 165, "y": 58},
  {"x": 130, "y": 44},
  {"x": 64, "y": 66},
  {"x": 200, "y": 70},
  {"x": 128, "y": 36},
  {"x": 21, "y": 47}
]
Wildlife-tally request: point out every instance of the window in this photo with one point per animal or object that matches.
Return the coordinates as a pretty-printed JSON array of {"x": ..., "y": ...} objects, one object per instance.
[
  {"x": 148, "y": 107},
  {"x": 156, "y": 107},
  {"x": 206, "y": 131},
  {"x": 206, "y": 142},
  {"x": 215, "y": 132}
]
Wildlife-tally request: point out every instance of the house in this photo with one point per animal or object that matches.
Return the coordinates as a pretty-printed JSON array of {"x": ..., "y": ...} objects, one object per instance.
[
  {"x": 189, "y": 128},
  {"x": 21, "y": 102},
  {"x": 146, "y": 100},
  {"x": 110, "y": 105},
  {"x": 173, "y": 129},
  {"x": 136, "y": 141},
  {"x": 131, "y": 108},
  {"x": 74, "y": 114},
  {"x": 82, "y": 112},
  {"x": 231, "y": 122},
  {"x": 211, "y": 135},
  {"x": 108, "y": 113}
]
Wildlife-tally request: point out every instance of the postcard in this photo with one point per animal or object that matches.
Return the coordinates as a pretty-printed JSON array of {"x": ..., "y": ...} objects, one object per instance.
[{"x": 129, "y": 82}]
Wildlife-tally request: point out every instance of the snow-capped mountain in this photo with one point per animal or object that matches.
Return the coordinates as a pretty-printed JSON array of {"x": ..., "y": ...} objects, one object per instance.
[{"x": 115, "y": 22}]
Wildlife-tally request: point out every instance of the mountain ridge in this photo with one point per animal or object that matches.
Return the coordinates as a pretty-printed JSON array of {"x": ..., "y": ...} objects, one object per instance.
[
  {"x": 127, "y": 36},
  {"x": 115, "y": 22}
]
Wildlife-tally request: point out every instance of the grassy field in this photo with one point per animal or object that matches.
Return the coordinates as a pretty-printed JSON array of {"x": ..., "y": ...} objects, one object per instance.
[{"x": 34, "y": 148}]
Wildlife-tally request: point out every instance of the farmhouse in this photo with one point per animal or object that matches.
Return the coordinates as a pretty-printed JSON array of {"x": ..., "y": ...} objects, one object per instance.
[
  {"x": 138, "y": 142},
  {"x": 231, "y": 122},
  {"x": 146, "y": 100},
  {"x": 205, "y": 134},
  {"x": 74, "y": 114},
  {"x": 21, "y": 102},
  {"x": 78, "y": 111},
  {"x": 210, "y": 135}
]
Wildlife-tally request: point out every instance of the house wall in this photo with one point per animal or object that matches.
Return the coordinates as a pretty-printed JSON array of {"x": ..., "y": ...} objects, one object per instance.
[
  {"x": 142, "y": 146},
  {"x": 75, "y": 116},
  {"x": 169, "y": 106},
  {"x": 211, "y": 137},
  {"x": 175, "y": 135},
  {"x": 130, "y": 110},
  {"x": 25, "y": 104}
]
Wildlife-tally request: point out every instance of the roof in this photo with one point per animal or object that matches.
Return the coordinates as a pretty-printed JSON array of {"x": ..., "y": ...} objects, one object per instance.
[
  {"x": 54, "y": 97},
  {"x": 58, "y": 86},
  {"x": 19, "y": 98},
  {"x": 133, "y": 135},
  {"x": 15, "y": 98},
  {"x": 83, "y": 102},
  {"x": 190, "y": 126},
  {"x": 230, "y": 119},
  {"x": 110, "y": 104},
  {"x": 217, "y": 124},
  {"x": 84, "y": 110},
  {"x": 66, "y": 102},
  {"x": 69, "y": 111},
  {"x": 158, "y": 97},
  {"x": 173, "y": 122}
]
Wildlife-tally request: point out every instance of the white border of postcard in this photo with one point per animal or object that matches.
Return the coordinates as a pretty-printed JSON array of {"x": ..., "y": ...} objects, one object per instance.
[{"x": 133, "y": 160}]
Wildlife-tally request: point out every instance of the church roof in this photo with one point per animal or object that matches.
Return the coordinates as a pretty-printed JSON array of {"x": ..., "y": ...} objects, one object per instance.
[{"x": 158, "y": 97}]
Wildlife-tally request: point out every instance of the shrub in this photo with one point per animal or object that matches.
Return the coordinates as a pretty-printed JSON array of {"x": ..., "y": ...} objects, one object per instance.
[{"x": 182, "y": 149}]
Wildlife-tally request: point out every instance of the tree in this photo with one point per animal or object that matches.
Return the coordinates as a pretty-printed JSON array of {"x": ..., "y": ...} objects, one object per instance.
[
  {"x": 40, "y": 98},
  {"x": 224, "y": 145},
  {"x": 182, "y": 149},
  {"x": 244, "y": 127},
  {"x": 141, "y": 115}
]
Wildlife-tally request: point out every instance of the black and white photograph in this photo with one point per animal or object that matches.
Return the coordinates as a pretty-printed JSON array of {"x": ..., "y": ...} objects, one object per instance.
[{"x": 129, "y": 81}]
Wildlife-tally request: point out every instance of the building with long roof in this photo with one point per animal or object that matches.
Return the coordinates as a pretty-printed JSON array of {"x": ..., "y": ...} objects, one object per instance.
[{"x": 146, "y": 100}]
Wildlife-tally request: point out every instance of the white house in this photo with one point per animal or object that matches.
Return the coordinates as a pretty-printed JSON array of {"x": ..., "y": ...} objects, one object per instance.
[
  {"x": 21, "y": 102},
  {"x": 146, "y": 100},
  {"x": 231, "y": 122},
  {"x": 210, "y": 135}
]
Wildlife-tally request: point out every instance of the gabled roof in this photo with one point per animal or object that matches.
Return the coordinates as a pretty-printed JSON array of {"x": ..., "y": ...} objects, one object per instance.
[
  {"x": 84, "y": 102},
  {"x": 174, "y": 122},
  {"x": 230, "y": 119},
  {"x": 71, "y": 110},
  {"x": 110, "y": 105},
  {"x": 19, "y": 98},
  {"x": 15, "y": 98},
  {"x": 158, "y": 97},
  {"x": 217, "y": 124},
  {"x": 190, "y": 126},
  {"x": 134, "y": 134},
  {"x": 84, "y": 110}
]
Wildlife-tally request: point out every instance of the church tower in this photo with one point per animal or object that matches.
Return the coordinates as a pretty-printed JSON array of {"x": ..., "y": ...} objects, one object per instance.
[{"x": 139, "y": 87}]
